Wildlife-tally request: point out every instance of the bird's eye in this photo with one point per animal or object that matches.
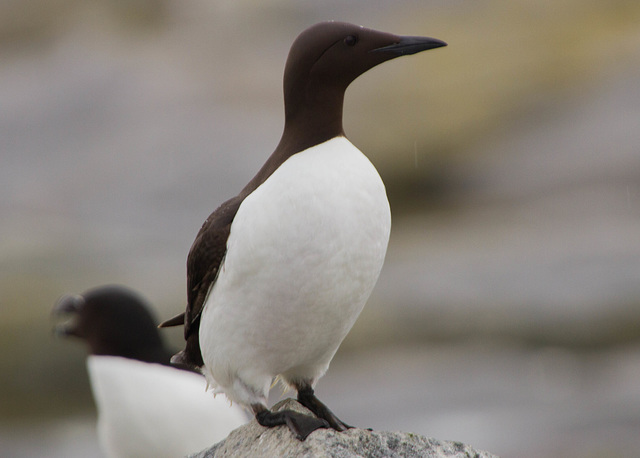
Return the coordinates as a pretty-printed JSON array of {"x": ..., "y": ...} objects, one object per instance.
[{"x": 351, "y": 40}]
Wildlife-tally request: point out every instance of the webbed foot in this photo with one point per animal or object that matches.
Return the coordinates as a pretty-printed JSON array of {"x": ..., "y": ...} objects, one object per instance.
[{"x": 301, "y": 425}]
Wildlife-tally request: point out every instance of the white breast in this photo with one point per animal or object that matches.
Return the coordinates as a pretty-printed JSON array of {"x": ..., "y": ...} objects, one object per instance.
[
  {"x": 304, "y": 253},
  {"x": 148, "y": 409}
]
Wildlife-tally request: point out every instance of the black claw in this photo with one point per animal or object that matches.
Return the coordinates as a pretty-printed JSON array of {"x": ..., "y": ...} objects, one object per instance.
[
  {"x": 301, "y": 425},
  {"x": 307, "y": 398}
]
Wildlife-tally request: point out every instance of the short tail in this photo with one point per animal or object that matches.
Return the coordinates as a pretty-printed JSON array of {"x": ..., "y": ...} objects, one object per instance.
[{"x": 177, "y": 320}]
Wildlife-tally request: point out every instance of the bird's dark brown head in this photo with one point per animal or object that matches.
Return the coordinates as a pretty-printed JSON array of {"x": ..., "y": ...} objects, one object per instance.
[
  {"x": 112, "y": 320},
  {"x": 327, "y": 57},
  {"x": 336, "y": 53}
]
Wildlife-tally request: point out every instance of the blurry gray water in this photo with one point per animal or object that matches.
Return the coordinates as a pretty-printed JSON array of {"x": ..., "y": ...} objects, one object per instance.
[
  {"x": 61, "y": 438},
  {"x": 546, "y": 227},
  {"x": 507, "y": 314}
]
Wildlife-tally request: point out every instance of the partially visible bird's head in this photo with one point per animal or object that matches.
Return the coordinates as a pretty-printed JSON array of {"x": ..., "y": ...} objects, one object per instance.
[{"x": 112, "y": 320}]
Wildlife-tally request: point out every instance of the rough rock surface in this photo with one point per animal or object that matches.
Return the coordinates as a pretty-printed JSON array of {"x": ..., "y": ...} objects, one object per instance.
[{"x": 253, "y": 440}]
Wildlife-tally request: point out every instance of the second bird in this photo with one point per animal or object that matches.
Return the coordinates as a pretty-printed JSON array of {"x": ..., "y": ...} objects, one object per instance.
[{"x": 278, "y": 274}]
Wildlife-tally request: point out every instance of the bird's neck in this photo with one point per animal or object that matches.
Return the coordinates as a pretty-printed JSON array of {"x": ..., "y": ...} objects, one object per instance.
[
  {"x": 312, "y": 119},
  {"x": 309, "y": 121}
]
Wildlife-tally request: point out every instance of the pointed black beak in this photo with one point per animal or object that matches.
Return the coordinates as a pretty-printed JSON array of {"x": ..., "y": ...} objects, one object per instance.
[
  {"x": 411, "y": 45},
  {"x": 69, "y": 304}
]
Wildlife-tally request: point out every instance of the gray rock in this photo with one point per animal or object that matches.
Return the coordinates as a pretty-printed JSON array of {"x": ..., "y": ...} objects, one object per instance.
[{"x": 253, "y": 440}]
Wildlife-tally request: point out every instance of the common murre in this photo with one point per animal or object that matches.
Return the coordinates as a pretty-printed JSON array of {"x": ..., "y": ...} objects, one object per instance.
[
  {"x": 145, "y": 407},
  {"x": 277, "y": 275}
]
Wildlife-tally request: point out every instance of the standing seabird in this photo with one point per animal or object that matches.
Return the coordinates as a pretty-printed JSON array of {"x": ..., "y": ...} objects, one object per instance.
[
  {"x": 145, "y": 407},
  {"x": 277, "y": 275}
]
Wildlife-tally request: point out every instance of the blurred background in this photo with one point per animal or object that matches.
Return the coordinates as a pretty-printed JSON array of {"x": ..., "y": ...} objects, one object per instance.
[{"x": 508, "y": 312}]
